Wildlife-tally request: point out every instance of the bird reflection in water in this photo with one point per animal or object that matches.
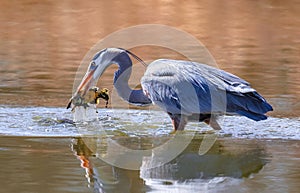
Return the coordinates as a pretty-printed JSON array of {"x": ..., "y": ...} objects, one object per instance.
[
  {"x": 229, "y": 158},
  {"x": 83, "y": 153},
  {"x": 103, "y": 177}
]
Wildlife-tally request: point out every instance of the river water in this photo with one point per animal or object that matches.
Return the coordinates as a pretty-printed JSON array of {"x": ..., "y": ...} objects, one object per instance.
[{"x": 42, "y": 44}]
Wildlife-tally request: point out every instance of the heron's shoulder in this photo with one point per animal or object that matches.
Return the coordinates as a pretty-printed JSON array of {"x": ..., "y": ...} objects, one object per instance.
[
  {"x": 170, "y": 62},
  {"x": 159, "y": 67},
  {"x": 169, "y": 65}
]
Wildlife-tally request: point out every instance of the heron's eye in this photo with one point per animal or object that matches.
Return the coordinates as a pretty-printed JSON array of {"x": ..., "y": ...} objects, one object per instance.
[{"x": 93, "y": 64}]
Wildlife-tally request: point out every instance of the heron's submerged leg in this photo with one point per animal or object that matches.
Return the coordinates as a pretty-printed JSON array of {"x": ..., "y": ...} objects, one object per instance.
[
  {"x": 209, "y": 119},
  {"x": 212, "y": 121},
  {"x": 178, "y": 121}
]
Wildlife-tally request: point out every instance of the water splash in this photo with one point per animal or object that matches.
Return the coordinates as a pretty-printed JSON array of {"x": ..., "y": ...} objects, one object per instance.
[
  {"x": 45, "y": 121},
  {"x": 83, "y": 114}
]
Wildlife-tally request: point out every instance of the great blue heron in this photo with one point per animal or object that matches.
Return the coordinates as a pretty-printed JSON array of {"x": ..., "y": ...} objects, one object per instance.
[{"x": 187, "y": 91}]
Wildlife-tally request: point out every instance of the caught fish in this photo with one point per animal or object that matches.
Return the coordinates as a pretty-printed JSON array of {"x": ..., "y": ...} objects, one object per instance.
[{"x": 92, "y": 96}]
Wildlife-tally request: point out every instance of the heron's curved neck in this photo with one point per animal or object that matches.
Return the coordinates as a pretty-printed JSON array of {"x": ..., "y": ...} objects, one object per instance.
[{"x": 121, "y": 79}]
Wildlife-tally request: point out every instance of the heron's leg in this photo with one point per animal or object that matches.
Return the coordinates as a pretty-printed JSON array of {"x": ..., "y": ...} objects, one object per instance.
[
  {"x": 212, "y": 121},
  {"x": 178, "y": 121}
]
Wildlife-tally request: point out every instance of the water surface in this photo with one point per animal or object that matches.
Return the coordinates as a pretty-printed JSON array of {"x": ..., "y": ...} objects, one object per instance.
[{"x": 41, "y": 46}]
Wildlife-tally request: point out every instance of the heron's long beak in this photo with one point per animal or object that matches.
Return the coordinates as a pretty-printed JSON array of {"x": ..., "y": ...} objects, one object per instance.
[{"x": 86, "y": 83}]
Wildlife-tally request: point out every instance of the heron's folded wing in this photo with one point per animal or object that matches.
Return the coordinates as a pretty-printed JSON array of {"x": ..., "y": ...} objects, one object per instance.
[{"x": 176, "y": 89}]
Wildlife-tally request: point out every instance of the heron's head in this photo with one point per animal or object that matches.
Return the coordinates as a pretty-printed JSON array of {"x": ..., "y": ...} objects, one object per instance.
[{"x": 97, "y": 66}]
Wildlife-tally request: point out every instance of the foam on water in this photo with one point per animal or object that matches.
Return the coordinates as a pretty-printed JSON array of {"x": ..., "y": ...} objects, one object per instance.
[
  {"x": 36, "y": 121},
  {"x": 216, "y": 184},
  {"x": 45, "y": 121},
  {"x": 272, "y": 128}
]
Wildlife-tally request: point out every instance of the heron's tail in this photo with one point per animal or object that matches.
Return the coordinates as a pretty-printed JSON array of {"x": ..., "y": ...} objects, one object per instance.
[{"x": 251, "y": 105}]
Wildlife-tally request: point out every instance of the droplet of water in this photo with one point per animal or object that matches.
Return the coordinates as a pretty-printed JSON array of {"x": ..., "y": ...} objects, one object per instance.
[{"x": 82, "y": 114}]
